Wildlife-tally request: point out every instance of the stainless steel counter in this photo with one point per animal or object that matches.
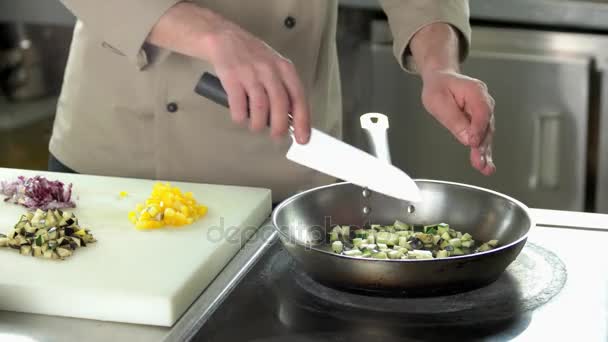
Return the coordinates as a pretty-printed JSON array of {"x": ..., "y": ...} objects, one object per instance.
[{"x": 592, "y": 228}]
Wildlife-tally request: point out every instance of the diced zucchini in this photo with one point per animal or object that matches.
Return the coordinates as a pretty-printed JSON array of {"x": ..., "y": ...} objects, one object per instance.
[
  {"x": 371, "y": 246},
  {"x": 420, "y": 254},
  {"x": 430, "y": 230},
  {"x": 357, "y": 242},
  {"x": 346, "y": 231},
  {"x": 457, "y": 251},
  {"x": 466, "y": 237},
  {"x": 333, "y": 236},
  {"x": 371, "y": 239},
  {"x": 436, "y": 239},
  {"x": 442, "y": 254},
  {"x": 353, "y": 252},
  {"x": 395, "y": 255},
  {"x": 382, "y": 246},
  {"x": 383, "y": 237},
  {"x": 493, "y": 243},
  {"x": 393, "y": 239},
  {"x": 484, "y": 247},
  {"x": 467, "y": 243},
  {"x": 403, "y": 241},
  {"x": 380, "y": 255},
  {"x": 361, "y": 234},
  {"x": 446, "y": 236},
  {"x": 401, "y": 225},
  {"x": 456, "y": 242},
  {"x": 337, "y": 247}
]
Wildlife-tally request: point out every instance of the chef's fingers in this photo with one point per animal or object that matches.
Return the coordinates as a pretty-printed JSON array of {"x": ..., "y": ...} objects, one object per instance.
[
  {"x": 299, "y": 103},
  {"x": 450, "y": 115},
  {"x": 480, "y": 106},
  {"x": 481, "y": 157},
  {"x": 237, "y": 100},
  {"x": 279, "y": 102},
  {"x": 258, "y": 106}
]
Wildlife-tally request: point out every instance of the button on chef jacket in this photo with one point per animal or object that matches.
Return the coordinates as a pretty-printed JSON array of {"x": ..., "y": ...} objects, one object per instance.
[{"x": 128, "y": 109}]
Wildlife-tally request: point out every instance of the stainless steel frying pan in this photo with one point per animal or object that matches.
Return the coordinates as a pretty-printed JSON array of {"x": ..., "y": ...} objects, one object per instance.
[{"x": 304, "y": 220}]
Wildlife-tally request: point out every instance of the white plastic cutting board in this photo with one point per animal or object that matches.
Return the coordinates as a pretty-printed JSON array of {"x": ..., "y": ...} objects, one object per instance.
[{"x": 132, "y": 276}]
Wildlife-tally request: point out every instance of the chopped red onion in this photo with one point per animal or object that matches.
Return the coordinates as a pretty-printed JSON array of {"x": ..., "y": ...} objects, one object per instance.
[{"x": 38, "y": 193}]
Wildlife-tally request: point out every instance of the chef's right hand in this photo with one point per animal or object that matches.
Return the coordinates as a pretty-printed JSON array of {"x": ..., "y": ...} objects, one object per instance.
[{"x": 260, "y": 83}]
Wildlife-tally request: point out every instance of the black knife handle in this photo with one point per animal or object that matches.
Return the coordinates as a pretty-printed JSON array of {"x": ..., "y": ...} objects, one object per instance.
[{"x": 210, "y": 87}]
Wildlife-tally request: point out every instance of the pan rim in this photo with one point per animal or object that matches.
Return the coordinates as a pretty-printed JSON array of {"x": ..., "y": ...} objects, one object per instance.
[{"x": 468, "y": 257}]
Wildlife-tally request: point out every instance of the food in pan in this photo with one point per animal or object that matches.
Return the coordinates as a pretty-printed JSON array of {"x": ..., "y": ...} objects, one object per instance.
[
  {"x": 38, "y": 193},
  {"x": 51, "y": 234},
  {"x": 167, "y": 206},
  {"x": 403, "y": 241}
]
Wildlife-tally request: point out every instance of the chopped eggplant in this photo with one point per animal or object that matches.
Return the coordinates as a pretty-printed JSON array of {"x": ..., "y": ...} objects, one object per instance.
[
  {"x": 25, "y": 250},
  {"x": 63, "y": 252},
  {"x": 51, "y": 234},
  {"x": 415, "y": 243}
]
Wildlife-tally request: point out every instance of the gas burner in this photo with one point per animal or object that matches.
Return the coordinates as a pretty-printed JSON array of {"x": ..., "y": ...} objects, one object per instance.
[{"x": 535, "y": 277}]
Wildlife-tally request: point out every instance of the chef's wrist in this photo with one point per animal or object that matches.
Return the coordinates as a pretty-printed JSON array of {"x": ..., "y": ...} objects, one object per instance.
[
  {"x": 435, "y": 48},
  {"x": 186, "y": 28}
]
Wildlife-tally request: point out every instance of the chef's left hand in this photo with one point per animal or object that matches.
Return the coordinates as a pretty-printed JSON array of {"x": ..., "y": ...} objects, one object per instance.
[{"x": 464, "y": 106}]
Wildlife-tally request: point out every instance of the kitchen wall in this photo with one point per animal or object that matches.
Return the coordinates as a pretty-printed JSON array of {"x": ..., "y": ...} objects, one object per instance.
[{"x": 517, "y": 42}]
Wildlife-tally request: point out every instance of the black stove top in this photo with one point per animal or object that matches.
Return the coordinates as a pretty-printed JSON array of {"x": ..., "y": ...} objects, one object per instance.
[{"x": 276, "y": 301}]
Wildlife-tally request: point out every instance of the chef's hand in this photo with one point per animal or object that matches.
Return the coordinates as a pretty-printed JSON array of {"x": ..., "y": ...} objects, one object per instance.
[
  {"x": 262, "y": 85},
  {"x": 460, "y": 103},
  {"x": 464, "y": 106}
]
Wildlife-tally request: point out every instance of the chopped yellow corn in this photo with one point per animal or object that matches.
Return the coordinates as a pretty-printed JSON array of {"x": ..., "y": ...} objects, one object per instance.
[
  {"x": 167, "y": 206},
  {"x": 123, "y": 194}
]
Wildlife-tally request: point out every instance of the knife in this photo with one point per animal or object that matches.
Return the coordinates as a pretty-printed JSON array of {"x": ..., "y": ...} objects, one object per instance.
[{"x": 332, "y": 156}]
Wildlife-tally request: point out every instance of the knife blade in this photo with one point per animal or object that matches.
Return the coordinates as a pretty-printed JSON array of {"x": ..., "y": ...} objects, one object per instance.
[{"x": 332, "y": 156}]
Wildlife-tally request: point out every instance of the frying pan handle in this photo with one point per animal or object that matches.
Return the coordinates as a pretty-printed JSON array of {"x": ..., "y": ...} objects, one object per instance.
[{"x": 375, "y": 126}]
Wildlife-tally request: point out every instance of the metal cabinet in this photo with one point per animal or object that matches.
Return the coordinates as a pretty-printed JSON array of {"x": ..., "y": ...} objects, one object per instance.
[{"x": 542, "y": 104}]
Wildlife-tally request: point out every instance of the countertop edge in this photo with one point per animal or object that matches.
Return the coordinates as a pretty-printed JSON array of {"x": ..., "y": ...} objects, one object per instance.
[{"x": 219, "y": 289}]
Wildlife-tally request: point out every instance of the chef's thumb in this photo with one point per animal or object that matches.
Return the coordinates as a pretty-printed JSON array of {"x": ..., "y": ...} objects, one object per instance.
[{"x": 456, "y": 121}]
